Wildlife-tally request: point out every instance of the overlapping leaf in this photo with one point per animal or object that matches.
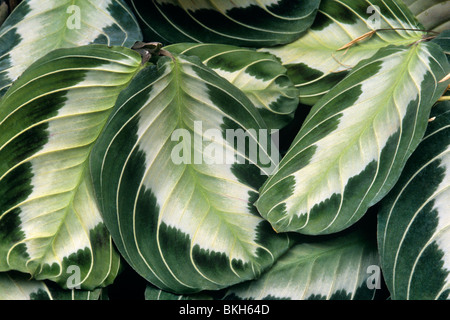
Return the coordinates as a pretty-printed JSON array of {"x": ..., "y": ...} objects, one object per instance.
[
  {"x": 180, "y": 213},
  {"x": 16, "y": 286},
  {"x": 259, "y": 75},
  {"x": 355, "y": 141},
  {"x": 433, "y": 14},
  {"x": 344, "y": 268},
  {"x": 414, "y": 220},
  {"x": 249, "y": 23},
  {"x": 315, "y": 63},
  {"x": 37, "y": 27},
  {"x": 50, "y": 225}
]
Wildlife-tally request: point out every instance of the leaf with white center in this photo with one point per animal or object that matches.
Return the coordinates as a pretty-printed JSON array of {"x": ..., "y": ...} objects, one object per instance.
[
  {"x": 251, "y": 23},
  {"x": 433, "y": 14},
  {"x": 177, "y": 171},
  {"x": 37, "y": 27},
  {"x": 314, "y": 62},
  {"x": 50, "y": 225},
  {"x": 258, "y": 74},
  {"x": 355, "y": 141},
  {"x": 17, "y": 286},
  {"x": 344, "y": 268},
  {"x": 414, "y": 219}
]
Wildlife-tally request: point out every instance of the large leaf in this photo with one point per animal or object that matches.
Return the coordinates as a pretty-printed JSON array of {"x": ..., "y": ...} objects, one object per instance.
[
  {"x": 433, "y": 14},
  {"x": 16, "y": 286},
  {"x": 414, "y": 220},
  {"x": 259, "y": 75},
  {"x": 181, "y": 214},
  {"x": 344, "y": 268},
  {"x": 37, "y": 27},
  {"x": 50, "y": 224},
  {"x": 354, "y": 143},
  {"x": 315, "y": 63},
  {"x": 250, "y": 23}
]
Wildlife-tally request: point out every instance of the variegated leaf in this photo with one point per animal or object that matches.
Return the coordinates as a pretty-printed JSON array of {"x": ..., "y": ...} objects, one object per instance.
[
  {"x": 251, "y": 23},
  {"x": 344, "y": 268},
  {"x": 354, "y": 143},
  {"x": 17, "y": 286},
  {"x": 314, "y": 62},
  {"x": 176, "y": 194},
  {"x": 259, "y": 75},
  {"x": 414, "y": 219},
  {"x": 50, "y": 225},
  {"x": 433, "y": 14},
  {"x": 37, "y": 27}
]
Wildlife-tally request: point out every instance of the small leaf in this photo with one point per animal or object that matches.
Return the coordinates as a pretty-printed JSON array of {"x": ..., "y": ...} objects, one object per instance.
[
  {"x": 343, "y": 34},
  {"x": 37, "y": 27},
  {"x": 337, "y": 269},
  {"x": 259, "y": 75}
]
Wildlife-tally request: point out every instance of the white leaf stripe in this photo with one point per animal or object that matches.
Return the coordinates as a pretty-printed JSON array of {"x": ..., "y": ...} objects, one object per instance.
[
  {"x": 59, "y": 219},
  {"x": 277, "y": 28},
  {"x": 108, "y": 21},
  {"x": 300, "y": 274},
  {"x": 189, "y": 199},
  {"x": 408, "y": 80},
  {"x": 431, "y": 204}
]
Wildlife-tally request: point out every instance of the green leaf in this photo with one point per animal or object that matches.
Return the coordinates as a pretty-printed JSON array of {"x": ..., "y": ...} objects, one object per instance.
[
  {"x": 17, "y": 286},
  {"x": 414, "y": 219},
  {"x": 259, "y": 75},
  {"x": 249, "y": 23},
  {"x": 314, "y": 62},
  {"x": 49, "y": 120},
  {"x": 443, "y": 40},
  {"x": 433, "y": 14},
  {"x": 37, "y": 27},
  {"x": 177, "y": 195},
  {"x": 355, "y": 141},
  {"x": 343, "y": 268}
]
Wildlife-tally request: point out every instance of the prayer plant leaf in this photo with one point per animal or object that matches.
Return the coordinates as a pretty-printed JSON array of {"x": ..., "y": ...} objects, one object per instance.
[
  {"x": 37, "y": 27},
  {"x": 343, "y": 268},
  {"x": 19, "y": 286},
  {"x": 315, "y": 62},
  {"x": 354, "y": 143},
  {"x": 258, "y": 74},
  {"x": 250, "y": 23},
  {"x": 177, "y": 192},
  {"x": 50, "y": 225},
  {"x": 414, "y": 219}
]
